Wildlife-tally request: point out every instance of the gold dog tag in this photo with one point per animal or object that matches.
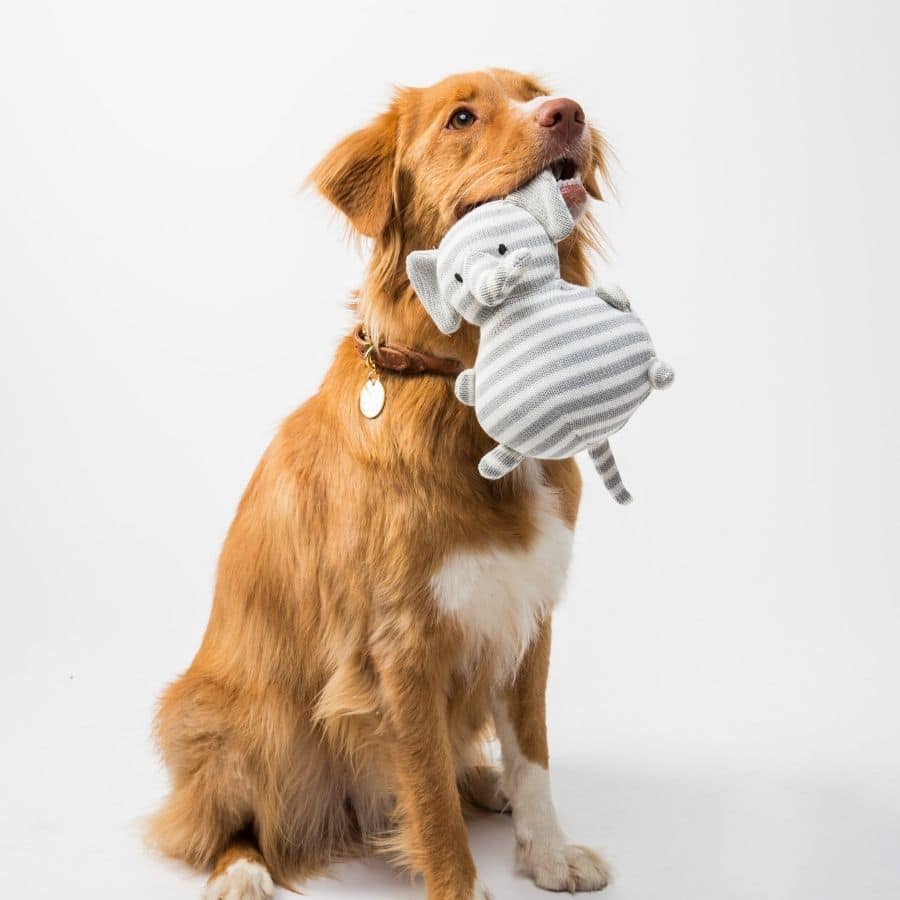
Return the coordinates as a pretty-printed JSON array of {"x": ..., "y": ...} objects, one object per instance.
[{"x": 371, "y": 398}]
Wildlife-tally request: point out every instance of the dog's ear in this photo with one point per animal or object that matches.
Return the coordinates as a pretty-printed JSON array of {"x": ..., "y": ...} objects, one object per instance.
[
  {"x": 421, "y": 266},
  {"x": 357, "y": 175},
  {"x": 542, "y": 199},
  {"x": 600, "y": 156}
]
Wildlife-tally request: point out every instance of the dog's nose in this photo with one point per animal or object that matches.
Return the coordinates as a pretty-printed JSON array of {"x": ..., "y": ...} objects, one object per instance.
[{"x": 563, "y": 116}]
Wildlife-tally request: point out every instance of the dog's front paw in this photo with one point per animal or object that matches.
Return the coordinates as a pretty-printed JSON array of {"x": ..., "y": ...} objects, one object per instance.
[
  {"x": 564, "y": 867},
  {"x": 473, "y": 891}
]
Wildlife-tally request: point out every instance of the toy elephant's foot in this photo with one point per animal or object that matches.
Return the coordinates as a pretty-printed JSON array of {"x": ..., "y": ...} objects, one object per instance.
[
  {"x": 605, "y": 464},
  {"x": 465, "y": 387},
  {"x": 499, "y": 462},
  {"x": 661, "y": 374}
]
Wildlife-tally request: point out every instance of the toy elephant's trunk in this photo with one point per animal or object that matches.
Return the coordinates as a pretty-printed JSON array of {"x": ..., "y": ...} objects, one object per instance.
[{"x": 605, "y": 464}]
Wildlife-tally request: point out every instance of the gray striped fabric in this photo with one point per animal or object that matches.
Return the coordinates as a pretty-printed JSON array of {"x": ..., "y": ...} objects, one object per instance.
[{"x": 560, "y": 367}]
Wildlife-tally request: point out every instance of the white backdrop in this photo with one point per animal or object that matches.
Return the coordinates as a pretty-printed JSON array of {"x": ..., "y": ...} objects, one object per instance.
[{"x": 725, "y": 678}]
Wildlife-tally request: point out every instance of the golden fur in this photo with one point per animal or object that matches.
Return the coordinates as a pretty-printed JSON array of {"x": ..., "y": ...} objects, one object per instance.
[{"x": 328, "y": 710}]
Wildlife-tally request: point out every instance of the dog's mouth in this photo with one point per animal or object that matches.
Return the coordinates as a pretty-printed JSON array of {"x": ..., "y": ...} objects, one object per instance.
[
  {"x": 567, "y": 173},
  {"x": 568, "y": 177}
]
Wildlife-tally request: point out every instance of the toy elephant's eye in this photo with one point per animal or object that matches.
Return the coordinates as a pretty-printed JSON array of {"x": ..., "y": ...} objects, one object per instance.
[
  {"x": 501, "y": 249},
  {"x": 458, "y": 277}
]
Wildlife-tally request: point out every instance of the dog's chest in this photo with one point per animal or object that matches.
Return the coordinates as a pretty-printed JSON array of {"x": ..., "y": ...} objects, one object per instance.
[{"x": 500, "y": 595}]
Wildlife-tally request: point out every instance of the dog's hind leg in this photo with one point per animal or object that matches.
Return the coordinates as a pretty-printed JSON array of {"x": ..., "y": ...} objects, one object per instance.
[
  {"x": 210, "y": 819},
  {"x": 200, "y": 830},
  {"x": 479, "y": 786},
  {"x": 240, "y": 873}
]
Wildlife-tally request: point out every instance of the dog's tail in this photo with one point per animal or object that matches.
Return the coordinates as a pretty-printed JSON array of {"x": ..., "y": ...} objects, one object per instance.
[{"x": 605, "y": 464}]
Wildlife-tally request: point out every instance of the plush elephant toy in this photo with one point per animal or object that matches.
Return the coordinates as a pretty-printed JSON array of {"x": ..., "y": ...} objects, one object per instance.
[{"x": 560, "y": 367}]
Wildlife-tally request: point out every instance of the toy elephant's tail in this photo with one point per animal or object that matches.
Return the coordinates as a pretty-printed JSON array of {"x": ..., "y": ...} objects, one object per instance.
[
  {"x": 661, "y": 375},
  {"x": 605, "y": 464}
]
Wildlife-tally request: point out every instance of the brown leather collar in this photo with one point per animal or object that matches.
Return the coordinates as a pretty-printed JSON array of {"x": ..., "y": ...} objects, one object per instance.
[{"x": 404, "y": 360}]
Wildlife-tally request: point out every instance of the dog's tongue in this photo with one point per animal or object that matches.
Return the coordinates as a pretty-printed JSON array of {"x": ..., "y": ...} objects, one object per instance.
[{"x": 574, "y": 194}]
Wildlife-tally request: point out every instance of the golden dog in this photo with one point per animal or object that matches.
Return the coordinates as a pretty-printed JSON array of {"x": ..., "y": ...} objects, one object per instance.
[{"x": 380, "y": 607}]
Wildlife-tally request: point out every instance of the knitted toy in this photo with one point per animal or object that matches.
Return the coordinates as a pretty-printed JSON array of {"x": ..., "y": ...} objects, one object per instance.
[{"x": 560, "y": 367}]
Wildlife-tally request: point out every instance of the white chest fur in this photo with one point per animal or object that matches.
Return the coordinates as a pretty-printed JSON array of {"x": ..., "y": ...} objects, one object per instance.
[{"x": 500, "y": 596}]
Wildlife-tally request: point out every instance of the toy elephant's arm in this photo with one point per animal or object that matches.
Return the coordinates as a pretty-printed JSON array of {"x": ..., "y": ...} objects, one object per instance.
[
  {"x": 490, "y": 279},
  {"x": 612, "y": 294}
]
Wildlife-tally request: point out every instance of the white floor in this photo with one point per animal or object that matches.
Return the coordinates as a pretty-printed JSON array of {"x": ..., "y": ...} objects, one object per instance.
[{"x": 77, "y": 780}]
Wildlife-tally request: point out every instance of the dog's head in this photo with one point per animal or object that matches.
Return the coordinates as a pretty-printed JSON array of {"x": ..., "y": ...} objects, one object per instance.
[{"x": 438, "y": 152}]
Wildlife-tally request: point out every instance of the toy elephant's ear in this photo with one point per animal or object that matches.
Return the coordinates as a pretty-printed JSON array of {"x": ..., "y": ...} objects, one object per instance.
[
  {"x": 421, "y": 266},
  {"x": 542, "y": 199}
]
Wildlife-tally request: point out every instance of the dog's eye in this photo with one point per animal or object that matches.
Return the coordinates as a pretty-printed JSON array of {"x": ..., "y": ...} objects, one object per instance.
[
  {"x": 458, "y": 277},
  {"x": 501, "y": 249},
  {"x": 461, "y": 118}
]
